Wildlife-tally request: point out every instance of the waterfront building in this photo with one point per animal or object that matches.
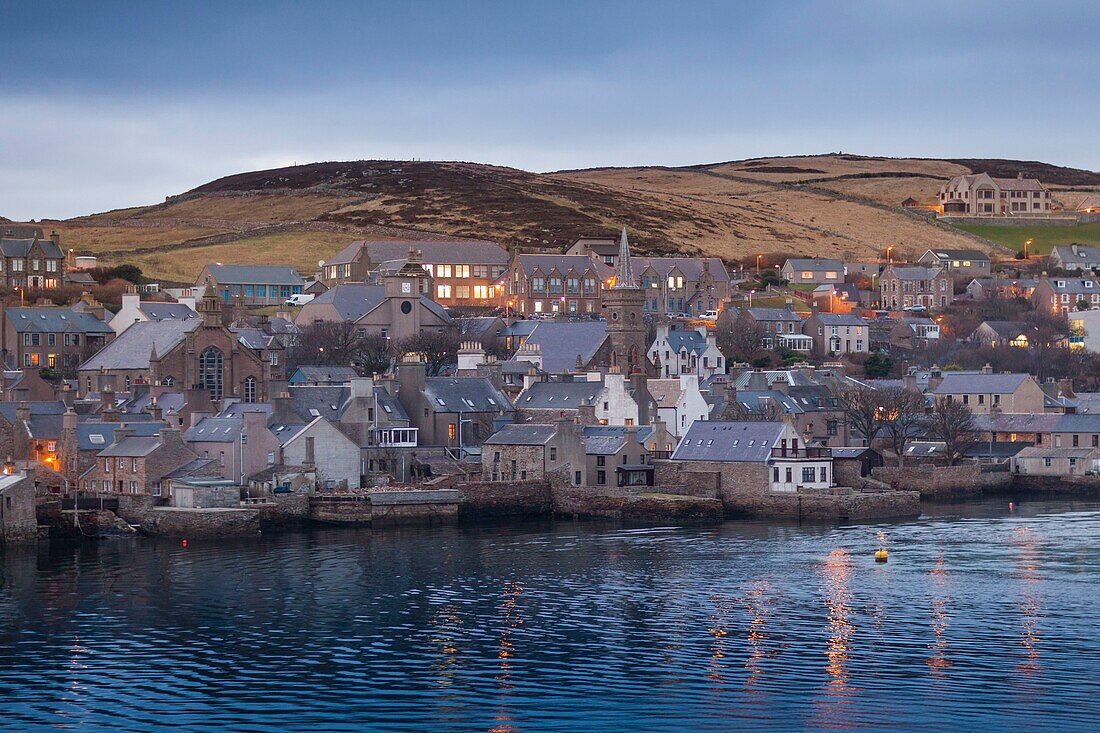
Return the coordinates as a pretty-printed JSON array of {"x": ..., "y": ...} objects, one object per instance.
[
  {"x": 138, "y": 465},
  {"x": 679, "y": 402},
  {"x": 18, "y": 522},
  {"x": 453, "y": 412}
]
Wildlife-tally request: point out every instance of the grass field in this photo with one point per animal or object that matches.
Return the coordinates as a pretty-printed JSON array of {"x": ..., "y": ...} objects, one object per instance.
[{"x": 1044, "y": 237}]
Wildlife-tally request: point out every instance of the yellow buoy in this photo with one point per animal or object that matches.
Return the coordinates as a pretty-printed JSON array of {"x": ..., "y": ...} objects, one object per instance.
[{"x": 881, "y": 555}]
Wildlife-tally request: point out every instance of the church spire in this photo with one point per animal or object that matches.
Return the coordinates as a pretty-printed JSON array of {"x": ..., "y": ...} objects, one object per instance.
[{"x": 624, "y": 277}]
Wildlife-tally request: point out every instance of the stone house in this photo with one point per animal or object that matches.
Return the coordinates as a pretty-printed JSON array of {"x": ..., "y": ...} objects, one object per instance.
[
  {"x": 455, "y": 412},
  {"x": 32, "y": 262},
  {"x": 551, "y": 283},
  {"x": 322, "y": 445},
  {"x": 989, "y": 288},
  {"x": 782, "y": 327},
  {"x": 679, "y": 402},
  {"x": 959, "y": 263},
  {"x": 913, "y": 333},
  {"x": 688, "y": 285},
  {"x": 611, "y": 399},
  {"x": 985, "y": 391},
  {"x": 531, "y": 452},
  {"x": 137, "y": 465},
  {"x": 82, "y": 440},
  {"x": 815, "y": 271},
  {"x": 981, "y": 194},
  {"x": 1062, "y": 295},
  {"x": 26, "y": 385},
  {"x": 51, "y": 337},
  {"x": 693, "y": 351},
  {"x": 906, "y": 286},
  {"x": 838, "y": 333},
  {"x": 18, "y": 522},
  {"x": 464, "y": 272},
  {"x": 251, "y": 285},
  {"x": 1079, "y": 430},
  {"x": 754, "y": 457},
  {"x": 616, "y": 456},
  {"x": 240, "y": 445},
  {"x": 189, "y": 353}
]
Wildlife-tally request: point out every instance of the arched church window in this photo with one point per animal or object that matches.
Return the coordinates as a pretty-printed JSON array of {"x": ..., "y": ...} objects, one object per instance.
[
  {"x": 211, "y": 362},
  {"x": 168, "y": 381},
  {"x": 250, "y": 389}
]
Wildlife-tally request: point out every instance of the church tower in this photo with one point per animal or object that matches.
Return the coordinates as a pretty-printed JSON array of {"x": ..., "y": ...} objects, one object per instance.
[
  {"x": 624, "y": 303},
  {"x": 403, "y": 289}
]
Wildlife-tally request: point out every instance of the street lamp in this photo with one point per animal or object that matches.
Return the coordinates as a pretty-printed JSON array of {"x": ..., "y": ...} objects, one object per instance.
[
  {"x": 750, "y": 296},
  {"x": 1027, "y": 243},
  {"x": 758, "y": 264},
  {"x": 889, "y": 257}
]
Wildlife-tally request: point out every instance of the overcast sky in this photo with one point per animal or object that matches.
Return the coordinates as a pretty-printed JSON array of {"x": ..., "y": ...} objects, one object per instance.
[{"x": 112, "y": 104}]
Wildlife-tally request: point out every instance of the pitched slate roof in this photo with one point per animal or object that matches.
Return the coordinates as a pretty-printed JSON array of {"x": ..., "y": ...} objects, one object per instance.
[
  {"x": 20, "y": 248},
  {"x": 558, "y": 395},
  {"x": 255, "y": 274},
  {"x": 518, "y": 434},
  {"x": 132, "y": 348},
  {"x": 561, "y": 343},
  {"x": 164, "y": 311},
  {"x": 1074, "y": 285},
  {"x": 352, "y": 300},
  {"x": 8, "y": 410},
  {"x": 95, "y": 435},
  {"x": 465, "y": 394},
  {"x": 1008, "y": 329},
  {"x": 665, "y": 392},
  {"x": 389, "y": 405},
  {"x": 841, "y": 319},
  {"x": 309, "y": 374},
  {"x": 529, "y": 263},
  {"x": 960, "y": 254},
  {"x": 816, "y": 264},
  {"x": 915, "y": 272},
  {"x": 215, "y": 430},
  {"x": 433, "y": 251},
  {"x": 132, "y": 447},
  {"x": 1077, "y": 423},
  {"x": 609, "y": 439},
  {"x": 55, "y": 320},
  {"x": 310, "y": 402},
  {"x": 773, "y": 314},
  {"x": 691, "y": 267},
  {"x": 754, "y": 401},
  {"x": 958, "y": 383},
  {"x": 690, "y": 340},
  {"x": 728, "y": 441}
]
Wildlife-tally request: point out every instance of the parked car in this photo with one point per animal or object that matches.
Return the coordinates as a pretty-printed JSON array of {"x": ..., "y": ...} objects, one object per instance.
[
  {"x": 298, "y": 299},
  {"x": 710, "y": 316},
  {"x": 915, "y": 309}
]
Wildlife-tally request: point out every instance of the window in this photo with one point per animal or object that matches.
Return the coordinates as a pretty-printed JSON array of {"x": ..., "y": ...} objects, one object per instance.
[
  {"x": 808, "y": 474},
  {"x": 121, "y": 463},
  {"x": 133, "y": 465},
  {"x": 462, "y": 292},
  {"x": 442, "y": 270},
  {"x": 211, "y": 362},
  {"x": 601, "y": 477},
  {"x": 553, "y": 453},
  {"x": 443, "y": 291},
  {"x": 462, "y": 270},
  {"x": 481, "y": 292},
  {"x": 601, "y": 460},
  {"x": 577, "y": 478},
  {"x": 168, "y": 381},
  {"x": 451, "y": 431},
  {"x": 250, "y": 389},
  {"x": 1047, "y": 462}
]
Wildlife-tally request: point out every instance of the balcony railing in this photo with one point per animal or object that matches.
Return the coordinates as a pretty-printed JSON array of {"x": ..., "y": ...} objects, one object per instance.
[{"x": 801, "y": 452}]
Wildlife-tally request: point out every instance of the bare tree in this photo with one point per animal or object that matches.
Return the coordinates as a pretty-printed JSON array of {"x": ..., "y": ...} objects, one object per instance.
[
  {"x": 373, "y": 354},
  {"x": 436, "y": 348},
  {"x": 862, "y": 410},
  {"x": 742, "y": 341},
  {"x": 953, "y": 423},
  {"x": 902, "y": 412},
  {"x": 326, "y": 344}
]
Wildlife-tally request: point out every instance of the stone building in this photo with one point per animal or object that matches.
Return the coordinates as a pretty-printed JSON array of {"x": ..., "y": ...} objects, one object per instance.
[
  {"x": 986, "y": 391},
  {"x": 320, "y": 444},
  {"x": 241, "y": 445},
  {"x": 18, "y": 524},
  {"x": 455, "y": 412},
  {"x": 553, "y": 283},
  {"x": 624, "y": 303},
  {"x": 959, "y": 263},
  {"x": 981, "y": 194},
  {"x": 1063, "y": 295},
  {"x": 32, "y": 262},
  {"x": 137, "y": 465},
  {"x": 464, "y": 272},
  {"x": 838, "y": 333},
  {"x": 51, "y": 337},
  {"x": 188, "y": 353},
  {"x": 906, "y": 286}
]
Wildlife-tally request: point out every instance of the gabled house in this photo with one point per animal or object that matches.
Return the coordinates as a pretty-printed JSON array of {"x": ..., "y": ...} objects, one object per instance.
[
  {"x": 907, "y": 286},
  {"x": 756, "y": 456},
  {"x": 985, "y": 391},
  {"x": 542, "y": 283},
  {"x": 240, "y": 445},
  {"x": 1075, "y": 257},
  {"x": 51, "y": 337},
  {"x": 688, "y": 285},
  {"x": 782, "y": 327},
  {"x": 134, "y": 310},
  {"x": 1061, "y": 295},
  {"x": 135, "y": 464},
  {"x": 989, "y": 288},
  {"x": 692, "y": 351},
  {"x": 815, "y": 271},
  {"x": 321, "y": 445},
  {"x": 679, "y": 402},
  {"x": 454, "y": 412},
  {"x": 838, "y": 333},
  {"x": 980, "y": 194},
  {"x": 1017, "y": 334},
  {"x": 959, "y": 263},
  {"x": 608, "y": 399},
  {"x": 32, "y": 262}
]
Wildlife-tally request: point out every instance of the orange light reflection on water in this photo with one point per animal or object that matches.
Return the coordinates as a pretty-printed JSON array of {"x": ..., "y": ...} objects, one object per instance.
[
  {"x": 1030, "y": 603},
  {"x": 937, "y": 661}
]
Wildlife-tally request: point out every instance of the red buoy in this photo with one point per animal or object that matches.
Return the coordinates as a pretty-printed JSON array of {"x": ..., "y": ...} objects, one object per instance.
[{"x": 184, "y": 543}]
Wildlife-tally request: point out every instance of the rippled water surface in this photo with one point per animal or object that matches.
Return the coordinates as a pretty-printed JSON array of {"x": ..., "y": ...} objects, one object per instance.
[{"x": 981, "y": 619}]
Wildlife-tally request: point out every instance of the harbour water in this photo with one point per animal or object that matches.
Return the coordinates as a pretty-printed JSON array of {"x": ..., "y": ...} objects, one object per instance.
[{"x": 983, "y": 618}]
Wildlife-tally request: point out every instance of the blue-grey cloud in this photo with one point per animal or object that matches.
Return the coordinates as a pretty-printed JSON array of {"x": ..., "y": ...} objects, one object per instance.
[{"x": 113, "y": 104}]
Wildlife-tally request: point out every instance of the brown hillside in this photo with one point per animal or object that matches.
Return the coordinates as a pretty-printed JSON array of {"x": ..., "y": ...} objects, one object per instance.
[{"x": 813, "y": 205}]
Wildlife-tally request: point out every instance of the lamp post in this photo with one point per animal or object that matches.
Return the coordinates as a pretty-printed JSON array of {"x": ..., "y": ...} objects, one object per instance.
[
  {"x": 750, "y": 296},
  {"x": 1027, "y": 243},
  {"x": 889, "y": 256},
  {"x": 758, "y": 264}
]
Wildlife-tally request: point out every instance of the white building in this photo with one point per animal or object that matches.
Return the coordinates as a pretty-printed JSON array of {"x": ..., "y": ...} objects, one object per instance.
[
  {"x": 679, "y": 402},
  {"x": 691, "y": 351},
  {"x": 134, "y": 310}
]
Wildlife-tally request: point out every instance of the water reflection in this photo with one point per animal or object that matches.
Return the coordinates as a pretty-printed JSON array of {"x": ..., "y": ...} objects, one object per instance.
[
  {"x": 1030, "y": 602},
  {"x": 833, "y": 712},
  {"x": 503, "y": 720},
  {"x": 718, "y": 630},
  {"x": 755, "y": 603},
  {"x": 937, "y": 660}
]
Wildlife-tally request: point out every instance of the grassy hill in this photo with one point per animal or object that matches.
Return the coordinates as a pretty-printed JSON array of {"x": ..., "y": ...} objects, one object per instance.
[{"x": 828, "y": 205}]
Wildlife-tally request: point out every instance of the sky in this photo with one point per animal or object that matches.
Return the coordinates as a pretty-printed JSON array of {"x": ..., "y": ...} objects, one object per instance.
[{"x": 112, "y": 104}]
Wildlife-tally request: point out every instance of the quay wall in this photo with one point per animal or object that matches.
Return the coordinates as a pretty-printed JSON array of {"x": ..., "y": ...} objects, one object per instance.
[
  {"x": 488, "y": 499},
  {"x": 942, "y": 482}
]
